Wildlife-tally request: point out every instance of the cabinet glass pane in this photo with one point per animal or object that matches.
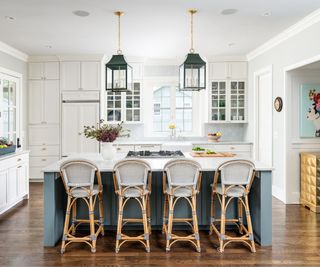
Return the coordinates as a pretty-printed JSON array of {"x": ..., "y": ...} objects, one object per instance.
[
  {"x": 12, "y": 93},
  {"x": 136, "y": 115},
  {"x": 241, "y": 114},
  {"x": 215, "y": 113},
  {"x": 129, "y": 115}
]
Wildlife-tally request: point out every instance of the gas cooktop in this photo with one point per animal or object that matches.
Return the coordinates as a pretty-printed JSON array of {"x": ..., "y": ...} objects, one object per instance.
[{"x": 155, "y": 154}]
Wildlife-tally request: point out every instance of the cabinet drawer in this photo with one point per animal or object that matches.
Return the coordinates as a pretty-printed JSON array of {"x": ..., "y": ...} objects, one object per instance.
[
  {"x": 149, "y": 147},
  {"x": 43, "y": 135},
  {"x": 42, "y": 161},
  {"x": 87, "y": 96},
  {"x": 14, "y": 161},
  {"x": 44, "y": 150},
  {"x": 36, "y": 173},
  {"x": 124, "y": 148}
]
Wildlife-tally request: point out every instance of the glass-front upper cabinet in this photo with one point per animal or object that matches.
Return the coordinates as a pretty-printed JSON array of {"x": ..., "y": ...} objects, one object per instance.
[
  {"x": 227, "y": 101},
  {"x": 237, "y": 101},
  {"x": 124, "y": 106},
  {"x": 218, "y": 100},
  {"x": 8, "y": 107}
]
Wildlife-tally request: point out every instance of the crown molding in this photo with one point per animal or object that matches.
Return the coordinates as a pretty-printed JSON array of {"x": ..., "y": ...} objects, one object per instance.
[
  {"x": 5, "y": 48},
  {"x": 293, "y": 30}
]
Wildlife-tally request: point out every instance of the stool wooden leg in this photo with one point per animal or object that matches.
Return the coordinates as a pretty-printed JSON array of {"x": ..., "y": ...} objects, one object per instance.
[
  {"x": 92, "y": 231},
  {"x": 170, "y": 220},
  {"x": 165, "y": 214},
  {"x": 66, "y": 226},
  {"x": 74, "y": 217},
  {"x": 149, "y": 213},
  {"x": 101, "y": 212},
  {"x": 222, "y": 223},
  {"x": 119, "y": 226},
  {"x": 212, "y": 212},
  {"x": 195, "y": 222},
  {"x": 250, "y": 230},
  {"x": 240, "y": 218},
  {"x": 145, "y": 223}
]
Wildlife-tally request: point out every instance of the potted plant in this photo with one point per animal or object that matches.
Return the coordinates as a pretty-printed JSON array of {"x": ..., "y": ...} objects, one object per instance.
[
  {"x": 107, "y": 134},
  {"x": 6, "y": 147}
]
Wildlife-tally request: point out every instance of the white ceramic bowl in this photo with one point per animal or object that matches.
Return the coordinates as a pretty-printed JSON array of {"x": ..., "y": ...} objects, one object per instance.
[{"x": 212, "y": 138}]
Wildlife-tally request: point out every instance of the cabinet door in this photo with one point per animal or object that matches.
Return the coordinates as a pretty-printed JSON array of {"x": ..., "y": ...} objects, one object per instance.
[
  {"x": 3, "y": 188},
  {"x": 51, "y": 102},
  {"x": 36, "y": 71},
  {"x": 22, "y": 180},
  {"x": 12, "y": 185},
  {"x": 70, "y": 76},
  {"x": 70, "y": 128},
  {"x": 89, "y": 115},
  {"x": 36, "y": 102},
  {"x": 218, "y": 101},
  {"x": 51, "y": 70},
  {"x": 90, "y": 75},
  {"x": 238, "y": 70},
  {"x": 218, "y": 70},
  {"x": 41, "y": 135}
]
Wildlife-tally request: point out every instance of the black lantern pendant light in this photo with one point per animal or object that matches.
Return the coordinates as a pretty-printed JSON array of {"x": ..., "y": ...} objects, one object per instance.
[
  {"x": 193, "y": 70},
  {"x": 118, "y": 71}
]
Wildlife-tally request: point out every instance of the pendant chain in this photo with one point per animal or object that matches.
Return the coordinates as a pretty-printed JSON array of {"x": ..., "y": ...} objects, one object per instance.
[
  {"x": 191, "y": 32},
  {"x": 119, "y": 40}
]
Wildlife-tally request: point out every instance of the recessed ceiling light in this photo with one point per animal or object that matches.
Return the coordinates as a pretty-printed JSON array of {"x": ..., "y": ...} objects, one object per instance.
[
  {"x": 81, "y": 13},
  {"x": 10, "y": 18},
  {"x": 229, "y": 11},
  {"x": 48, "y": 46},
  {"x": 266, "y": 14},
  {"x": 231, "y": 44}
]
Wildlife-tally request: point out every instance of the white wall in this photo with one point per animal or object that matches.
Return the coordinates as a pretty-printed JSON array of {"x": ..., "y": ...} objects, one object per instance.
[
  {"x": 16, "y": 65},
  {"x": 297, "y": 48}
]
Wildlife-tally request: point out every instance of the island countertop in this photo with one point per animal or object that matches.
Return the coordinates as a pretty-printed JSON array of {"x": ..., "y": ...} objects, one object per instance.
[{"x": 157, "y": 164}]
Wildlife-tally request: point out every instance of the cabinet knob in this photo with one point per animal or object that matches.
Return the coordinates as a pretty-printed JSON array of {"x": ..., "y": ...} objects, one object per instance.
[
  {"x": 232, "y": 147},
  {"x": 79, "y": 133},
  {"x": 44, "y": 148},
  {"x": 44, "y": 160},
  {"x": 18, "y": 159},
  {"x": 43, "y": 122},
  {"x": 80, "y": 88}
]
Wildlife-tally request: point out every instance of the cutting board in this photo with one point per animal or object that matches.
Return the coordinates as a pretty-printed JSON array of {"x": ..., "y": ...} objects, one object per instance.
[{"x": 217, "y": 155}]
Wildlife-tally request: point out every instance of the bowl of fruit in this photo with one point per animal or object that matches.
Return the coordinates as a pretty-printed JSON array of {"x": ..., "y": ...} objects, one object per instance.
[
  {"x": 199, "y": 150},
  {"x": 214, "y": 137},
  {"x": 6, "y": 147}
]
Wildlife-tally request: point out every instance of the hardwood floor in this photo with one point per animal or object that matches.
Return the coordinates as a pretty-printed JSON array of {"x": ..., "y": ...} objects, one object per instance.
[{"x": 296, "y": 242}]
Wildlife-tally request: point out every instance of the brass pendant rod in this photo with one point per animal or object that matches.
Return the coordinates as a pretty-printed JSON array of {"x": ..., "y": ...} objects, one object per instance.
[
  {"x": 192, "y": 12},
  {"x": 119, "y": 14}
]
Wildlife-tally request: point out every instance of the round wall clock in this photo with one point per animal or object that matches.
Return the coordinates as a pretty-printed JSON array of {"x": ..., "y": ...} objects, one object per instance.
[{"x": 278, "y": 104}]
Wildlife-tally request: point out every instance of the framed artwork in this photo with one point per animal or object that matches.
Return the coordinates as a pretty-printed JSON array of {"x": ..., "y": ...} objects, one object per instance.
[{"x": 309, "y": 111}]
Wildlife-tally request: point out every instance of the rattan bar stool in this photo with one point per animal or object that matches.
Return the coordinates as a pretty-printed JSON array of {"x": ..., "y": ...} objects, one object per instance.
[
  {"x": 132, "y": 180},
  {"x": 78, "y": 177},
  {"x": 236, "y": 180},
  {"x": 181, "y": 180}
]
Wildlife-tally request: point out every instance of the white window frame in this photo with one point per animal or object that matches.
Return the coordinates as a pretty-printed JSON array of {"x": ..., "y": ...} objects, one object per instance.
[
  {"x": 156, "y": 82},
  {"x": 16, "y": 77}
]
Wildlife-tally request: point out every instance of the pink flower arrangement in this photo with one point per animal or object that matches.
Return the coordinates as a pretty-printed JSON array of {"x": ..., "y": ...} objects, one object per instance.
[{"x": 105, "y": 132}]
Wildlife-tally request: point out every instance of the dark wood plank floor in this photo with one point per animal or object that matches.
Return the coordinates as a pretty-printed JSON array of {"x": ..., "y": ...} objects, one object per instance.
[{"x": 296, "y": 242}]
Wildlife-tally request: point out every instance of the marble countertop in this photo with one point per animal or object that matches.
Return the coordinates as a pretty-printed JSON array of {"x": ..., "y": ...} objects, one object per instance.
[
  {"x": 157, "y": 164},
  {"x": 179, "y": 142}
]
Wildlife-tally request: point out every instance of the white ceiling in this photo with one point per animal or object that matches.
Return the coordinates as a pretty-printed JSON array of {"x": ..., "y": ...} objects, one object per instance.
[{"x": 150, "y": 28}]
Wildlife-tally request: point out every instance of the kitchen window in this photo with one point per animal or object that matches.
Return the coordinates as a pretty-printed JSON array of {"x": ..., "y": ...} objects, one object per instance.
[
  {"x": 8, "y": 107},
  {"x": 172, "y": 106}
]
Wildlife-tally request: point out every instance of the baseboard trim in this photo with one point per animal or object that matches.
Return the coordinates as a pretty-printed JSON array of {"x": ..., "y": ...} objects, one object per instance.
[{"x": 278, "y": 193}]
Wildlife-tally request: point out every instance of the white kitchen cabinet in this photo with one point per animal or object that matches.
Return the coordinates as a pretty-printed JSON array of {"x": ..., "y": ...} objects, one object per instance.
[
  {"x": 3, "y": 189},
  {"x": 70, "y": 76},
  {"x": 43, "y": 71},
  {"x": 44, "y": 104},
  {"x": 90, "y": 76},
  {"x": 74, "y": 117},
  {"x": 14, "y": 180},
  {"x": 41, "y": 135},
  {"x": 227, "y": 70},
  {"x": 77, "y": 76}
]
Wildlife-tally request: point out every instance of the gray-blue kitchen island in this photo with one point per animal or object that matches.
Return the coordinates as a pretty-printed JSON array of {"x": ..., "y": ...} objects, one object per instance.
[{"x": 260, "y": 197}]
